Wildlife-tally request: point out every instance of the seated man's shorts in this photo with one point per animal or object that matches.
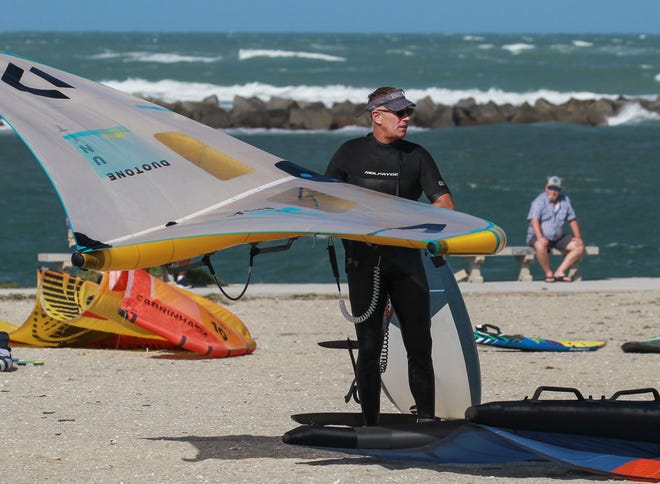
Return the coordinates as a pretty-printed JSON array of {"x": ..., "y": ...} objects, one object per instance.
[{"x": 561, "y": 243}]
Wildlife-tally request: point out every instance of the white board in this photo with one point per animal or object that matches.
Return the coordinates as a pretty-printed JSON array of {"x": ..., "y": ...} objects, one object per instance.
[{"x": 455, "y": 358}]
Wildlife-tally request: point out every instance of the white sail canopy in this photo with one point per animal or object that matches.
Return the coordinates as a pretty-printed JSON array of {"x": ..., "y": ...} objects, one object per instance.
[{"x": 134, "y": 176}]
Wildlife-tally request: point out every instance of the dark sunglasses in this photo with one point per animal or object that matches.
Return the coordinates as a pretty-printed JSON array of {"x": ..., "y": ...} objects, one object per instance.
[
  {"x": 554, "y": 189},
  {"x": 399, "y": 114}
]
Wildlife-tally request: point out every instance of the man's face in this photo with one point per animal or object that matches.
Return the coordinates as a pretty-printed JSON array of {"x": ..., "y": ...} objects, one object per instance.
[
  {"x": 552, "y": 192},
  {"x": 393, "y": 125}
]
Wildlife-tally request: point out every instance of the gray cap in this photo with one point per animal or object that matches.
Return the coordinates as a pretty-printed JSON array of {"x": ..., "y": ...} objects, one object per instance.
[
  {"x": 554, "y": 181},
  {"x": 394, "y": 101}
]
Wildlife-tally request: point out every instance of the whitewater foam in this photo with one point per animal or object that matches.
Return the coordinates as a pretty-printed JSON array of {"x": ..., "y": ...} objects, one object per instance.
[
  {"x": 582, "y": 43},
  {"x": 170, "y": 90},
  {"x": 403, "y": 52},
  {"x": 632, "y": 113},
  {"x": 155, "y": 57},
  {"x": 516, "y": 49},
  {"x": 245, "y": 54},
  {"x": 343, "y": 131}
]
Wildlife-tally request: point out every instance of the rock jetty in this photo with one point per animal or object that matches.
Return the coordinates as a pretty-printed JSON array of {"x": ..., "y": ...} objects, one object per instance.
[{"x": 280, "y": 113}]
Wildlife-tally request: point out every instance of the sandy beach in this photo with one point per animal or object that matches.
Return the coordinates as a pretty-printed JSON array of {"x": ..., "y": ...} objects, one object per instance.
[{"x": 138, "y": 416}]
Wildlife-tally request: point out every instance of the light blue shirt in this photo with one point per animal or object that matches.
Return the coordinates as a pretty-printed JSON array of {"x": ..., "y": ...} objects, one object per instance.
[{"x": 552, "y": 217}]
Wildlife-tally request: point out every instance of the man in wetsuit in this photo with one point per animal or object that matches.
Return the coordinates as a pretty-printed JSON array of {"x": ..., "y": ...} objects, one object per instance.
[{"x": 384, "y": 162}]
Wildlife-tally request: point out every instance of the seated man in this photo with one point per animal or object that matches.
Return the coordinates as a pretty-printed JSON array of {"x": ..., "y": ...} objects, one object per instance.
[{"x": 548, "y": 213}]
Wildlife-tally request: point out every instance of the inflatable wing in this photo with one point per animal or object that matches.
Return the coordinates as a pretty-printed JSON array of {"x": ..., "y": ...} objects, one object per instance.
[
  {"x": 143, "y": 186},
  {"x": 615, "y": 437},
  {"x": 169, "y": 312},
  {"x": 61, "y": 298},
  {"x": 128, "y": 310}
]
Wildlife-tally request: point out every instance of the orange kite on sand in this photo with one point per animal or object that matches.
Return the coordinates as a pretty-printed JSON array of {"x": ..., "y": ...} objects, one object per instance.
[{"x": 128, "y": 310}]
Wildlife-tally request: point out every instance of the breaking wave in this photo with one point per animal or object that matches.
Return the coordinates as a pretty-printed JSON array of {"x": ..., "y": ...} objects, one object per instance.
[
  {"x": 632, "y": 114},
  {"x": 156, "y": 57},
  {"x": 171, "y": 90},
  {"x": 245, "y": 54}
]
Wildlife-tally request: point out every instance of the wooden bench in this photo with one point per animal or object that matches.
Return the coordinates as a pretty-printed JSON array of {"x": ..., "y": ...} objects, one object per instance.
[{"x": 524, "y": 256}]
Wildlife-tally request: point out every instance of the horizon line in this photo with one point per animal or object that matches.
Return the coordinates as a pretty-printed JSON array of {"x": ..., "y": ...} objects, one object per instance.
[{"x": 328, "y": 32}]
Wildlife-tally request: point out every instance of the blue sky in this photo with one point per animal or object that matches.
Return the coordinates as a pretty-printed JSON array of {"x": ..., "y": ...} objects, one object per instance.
[{"x": 445, "y": 16}]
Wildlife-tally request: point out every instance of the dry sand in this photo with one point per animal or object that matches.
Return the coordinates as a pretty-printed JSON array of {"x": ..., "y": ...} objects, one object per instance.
[{"x": 135, "y": 416}]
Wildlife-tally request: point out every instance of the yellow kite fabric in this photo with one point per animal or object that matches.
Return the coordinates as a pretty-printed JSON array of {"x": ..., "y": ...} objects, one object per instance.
[{"x": 61, "y": 298}]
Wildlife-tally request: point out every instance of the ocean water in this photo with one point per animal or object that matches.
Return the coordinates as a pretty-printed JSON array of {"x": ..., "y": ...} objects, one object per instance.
[{"x": 611, "y": 172}]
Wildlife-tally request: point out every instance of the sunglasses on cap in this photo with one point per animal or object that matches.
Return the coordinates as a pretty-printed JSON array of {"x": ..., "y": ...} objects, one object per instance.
[{"x": 399, "y": 114}]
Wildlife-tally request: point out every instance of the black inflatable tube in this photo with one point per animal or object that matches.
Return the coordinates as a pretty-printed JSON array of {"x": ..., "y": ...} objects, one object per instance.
[
  {"x": 373, "y": 437},
  {"x": 628, "y": 420}
]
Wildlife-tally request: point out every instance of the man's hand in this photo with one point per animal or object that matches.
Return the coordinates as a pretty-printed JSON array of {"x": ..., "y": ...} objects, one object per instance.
[{"x": 444, "y": 201}]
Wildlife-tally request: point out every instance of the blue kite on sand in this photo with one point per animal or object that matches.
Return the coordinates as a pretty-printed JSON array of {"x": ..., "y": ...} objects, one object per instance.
[{"x": 614, "y": 437}]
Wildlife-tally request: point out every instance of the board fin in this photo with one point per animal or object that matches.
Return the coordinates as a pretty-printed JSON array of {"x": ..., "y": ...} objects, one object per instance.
[{"x": 342, "y": 344}]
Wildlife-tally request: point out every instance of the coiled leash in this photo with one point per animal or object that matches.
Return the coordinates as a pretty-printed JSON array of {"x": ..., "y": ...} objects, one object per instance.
[
  {"x": 387, "y": 317},
  {"x": 342, "y": 303}
]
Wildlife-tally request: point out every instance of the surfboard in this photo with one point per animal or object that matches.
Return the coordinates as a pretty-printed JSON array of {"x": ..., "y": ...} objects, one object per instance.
[
  {"x": 21, "y": 362},
  {"x": 490, "y": 335},
  {"x": 455, "y": 358},
  {"x": 650, "y": 345}
]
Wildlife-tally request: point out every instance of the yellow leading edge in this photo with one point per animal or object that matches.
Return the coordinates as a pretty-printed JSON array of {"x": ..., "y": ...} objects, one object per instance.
[{"x": 164, "y": 252}]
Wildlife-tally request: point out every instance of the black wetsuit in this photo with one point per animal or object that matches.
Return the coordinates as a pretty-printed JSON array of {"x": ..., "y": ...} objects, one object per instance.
[{"x": 404, "y": 169}]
